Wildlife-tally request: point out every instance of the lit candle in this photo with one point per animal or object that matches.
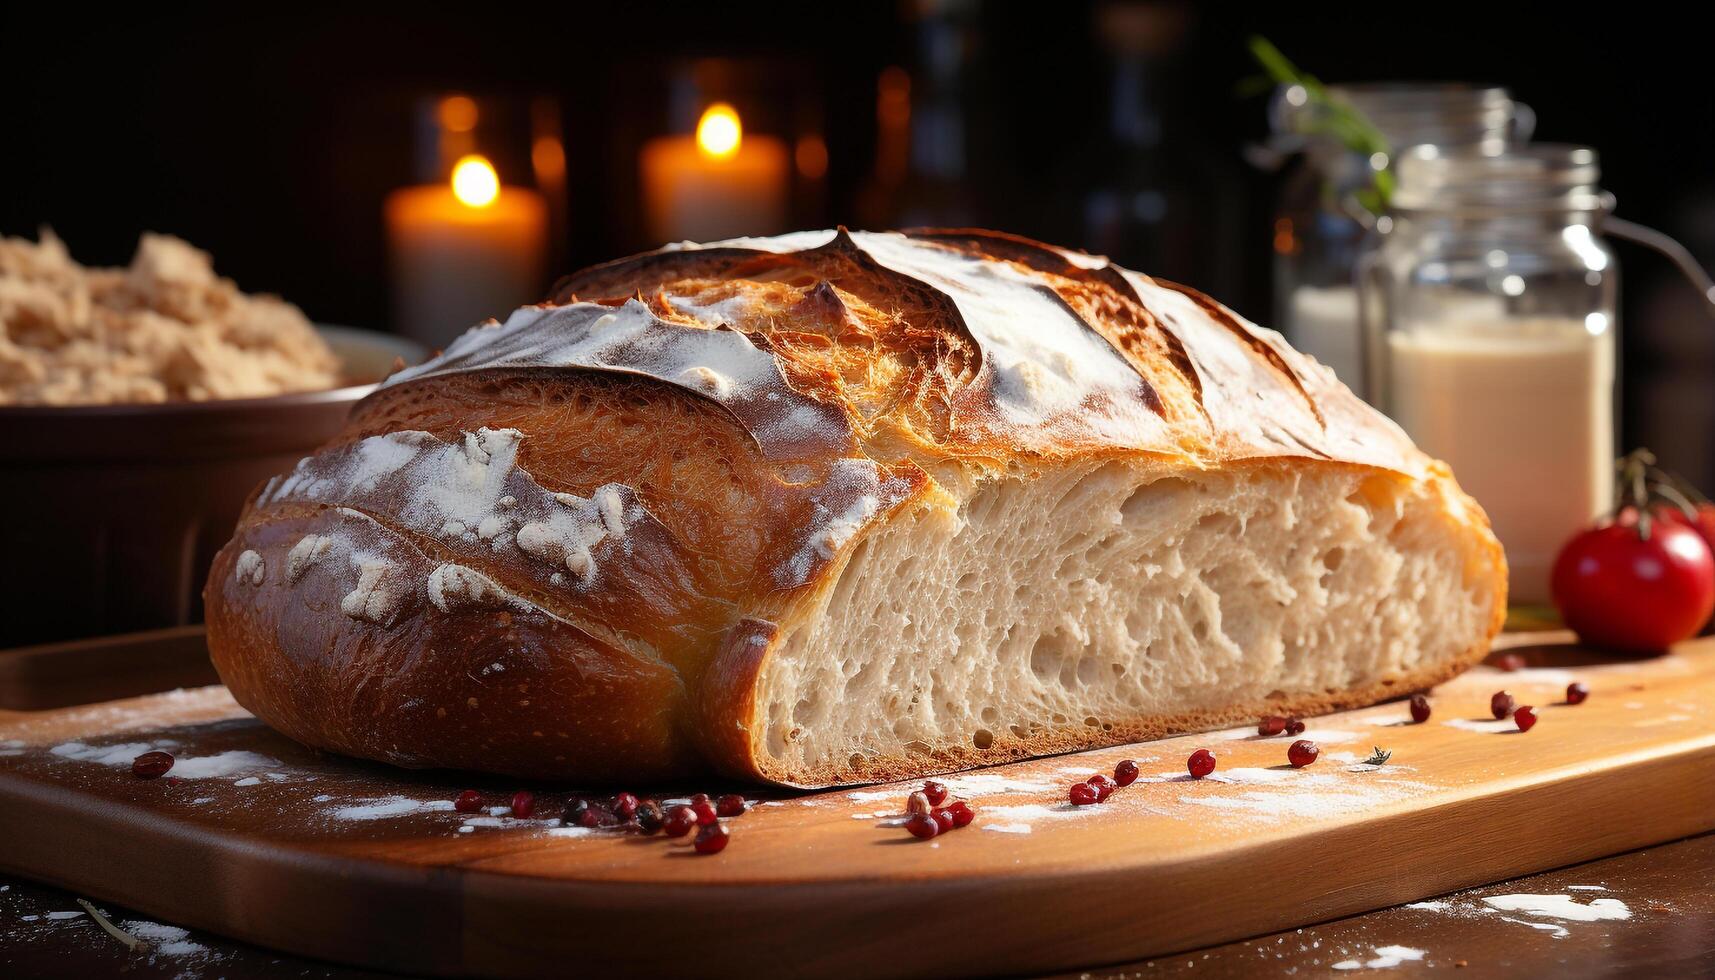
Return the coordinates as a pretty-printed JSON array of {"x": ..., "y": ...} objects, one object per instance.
[
  {"x": 464, "y": 251},
  {"x": 719, "y": 183}
]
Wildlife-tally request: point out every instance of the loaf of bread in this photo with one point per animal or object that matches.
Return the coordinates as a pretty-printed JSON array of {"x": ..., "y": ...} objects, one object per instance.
[{"x": 844, "y": 507}]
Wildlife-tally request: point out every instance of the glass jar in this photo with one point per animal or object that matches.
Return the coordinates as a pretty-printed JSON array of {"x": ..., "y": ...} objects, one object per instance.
[
  {"x": 1324, "y": 212},
  {"x": 1490, "y": 329}
]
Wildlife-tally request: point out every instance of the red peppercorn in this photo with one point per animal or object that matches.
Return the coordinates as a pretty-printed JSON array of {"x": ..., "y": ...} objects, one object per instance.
[
  {"x": 649, "y": 817},
  {"x": 469, "y": 801},
  {"x": 705, "y": 812},
  {"x": 1509, "y": 662},
  {"x": 1577, "y": 692},
  {"x": 918, "y": 802},
  {"x": 962, "y": 813},
  {"x": 1294, "y": 726},
  {"x": 523, "y": 804},
  {"x": 936, "y": 792},
  {"x": 151, "y": 765},
  {"x": 699, "y": 798},
  {"x": 922, "y": 825},
  {"x": 625, "y": 805},
  {"x": 1525, "y": 717},
  {"x": 1272, "y": 725},
  {"x": 1201, "y": 763},
  {"x": 679, "y": 821},
  {"x": 1082, "y": 794},
  {"x": 1103, "y": 785},
  {"x": 1125, "y": 773},
  {"x": 712, "y": 838},
  {"x": 1419, "y": 708},
  {"x": 1501, "y": 704},
  {"x": 730, "y": 805},
  {"x": 1302, "y": 752},
  {"x": 943, "y": 820}
]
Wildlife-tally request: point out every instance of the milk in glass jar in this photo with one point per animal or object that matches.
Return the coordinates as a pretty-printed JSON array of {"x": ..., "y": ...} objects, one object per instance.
[
  {"x": 1491, "y": 336},
  {"x": 1335, "y": 193}
]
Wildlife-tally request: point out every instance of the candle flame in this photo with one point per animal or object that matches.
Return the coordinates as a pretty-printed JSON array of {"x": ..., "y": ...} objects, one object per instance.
[
  {"x": 475, "y": 183},
  {"x": 719, "y": 131}
]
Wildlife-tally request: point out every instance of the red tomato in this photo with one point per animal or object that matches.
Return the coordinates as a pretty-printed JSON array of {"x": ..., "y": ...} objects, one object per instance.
[
  {"x": 1617, "y": 589},
  {"x": 1703, "y": 522}
]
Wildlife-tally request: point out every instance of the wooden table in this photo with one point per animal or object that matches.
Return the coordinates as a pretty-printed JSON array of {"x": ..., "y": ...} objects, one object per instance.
[{"x": 1668, "y": 888}]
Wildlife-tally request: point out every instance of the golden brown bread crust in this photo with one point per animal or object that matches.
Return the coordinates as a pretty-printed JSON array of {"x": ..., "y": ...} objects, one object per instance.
[{"x": 653, "y": 472}]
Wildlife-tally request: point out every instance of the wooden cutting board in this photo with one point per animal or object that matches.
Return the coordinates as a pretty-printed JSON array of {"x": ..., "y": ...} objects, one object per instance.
[{"x": 268, "y": 842}]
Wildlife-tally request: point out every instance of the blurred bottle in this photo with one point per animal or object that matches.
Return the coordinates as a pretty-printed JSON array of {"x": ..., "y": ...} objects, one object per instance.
[
  {"x": 1156, "y": 197},
  {"x": 1322, "y": 214},
  {"x": 921, "y": 174}
]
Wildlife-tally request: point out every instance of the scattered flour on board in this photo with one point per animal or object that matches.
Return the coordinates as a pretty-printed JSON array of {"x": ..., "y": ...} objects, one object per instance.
[
  {"x": 1482, "y": 725},
  {"x": 1386, "y": 958},
  {"x": 390, "y": 806},
  {"x": 1556, "y": 909},
  {"x": 184, "y": 767},
  {"x": 1561, "y": 907}
]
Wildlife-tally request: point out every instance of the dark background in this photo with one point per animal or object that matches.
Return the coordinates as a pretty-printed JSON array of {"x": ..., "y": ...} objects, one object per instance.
[{"x": 269, "y": 136}]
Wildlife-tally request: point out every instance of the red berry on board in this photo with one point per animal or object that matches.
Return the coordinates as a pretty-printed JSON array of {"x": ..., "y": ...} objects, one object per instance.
[
  {"x": 918, "y": 802},
  {"x": 649, "y": 817},
  {"x": 962, "y": 813},
  {"x": 705, "y": 812},
  {"x": 1577, "y": 692},
  {"x": 711, "y": 839},
  {"x": 151, "y": 765},
  {"x": 679, "y": 821},
  {"x": 1501, "y": 704},
  {"x": 469, "y": 801},
  {"x": 1200, "y": 764},
  {"x": 1272, "y": 725},
  {"x": 1294, "y": 726},
  {"x": 1125, "y": 773},
  {"x": 1103, "y": 785},
  {"x": 1302, "y": 753},
  {"x": 943, "y": 820},
  {"x": 1525, "y": 717},
  {"x": 587, "y": 814},
  {"x": 1419, "y": 708},
  {"x": 730, "y": 805},
  {"x": 625, "y": 805},
  {"x": 922, "y": 825},
  {"x": 1082, "y": 794},
  {"x": 523, "y": 804},
  {"x": 936, "y": 792}
]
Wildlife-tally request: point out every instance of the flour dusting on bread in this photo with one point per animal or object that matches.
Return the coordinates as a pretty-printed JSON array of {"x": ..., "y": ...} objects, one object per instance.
[
  {"x": 250, "y": 569},
  {"x": 721, "y": 364}
]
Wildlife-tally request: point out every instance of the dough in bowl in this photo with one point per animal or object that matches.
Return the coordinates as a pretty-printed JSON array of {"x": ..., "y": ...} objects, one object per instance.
[{"x": 845, "y": 507}]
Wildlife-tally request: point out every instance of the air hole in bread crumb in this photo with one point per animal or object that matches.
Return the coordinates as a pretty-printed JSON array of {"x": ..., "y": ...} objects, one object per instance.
[
  {"x": 982, "y": 738},
  {"x": 1089, "y": 669},
  {"x": 1217, "y": 523}
]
